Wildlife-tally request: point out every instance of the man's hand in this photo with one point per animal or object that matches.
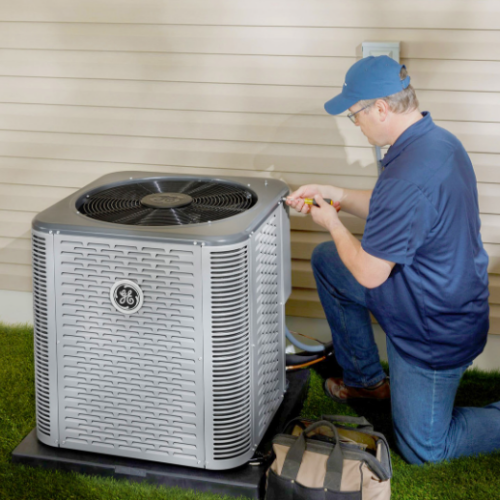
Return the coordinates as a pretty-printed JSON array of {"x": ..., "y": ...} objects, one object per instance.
[
  {"x": 325, "y": 214},
  {"x": 296, "y": 199}
]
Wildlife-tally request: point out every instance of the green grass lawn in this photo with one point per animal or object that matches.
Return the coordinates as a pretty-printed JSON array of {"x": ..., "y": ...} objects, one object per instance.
[{"x": 468, "y": 478}]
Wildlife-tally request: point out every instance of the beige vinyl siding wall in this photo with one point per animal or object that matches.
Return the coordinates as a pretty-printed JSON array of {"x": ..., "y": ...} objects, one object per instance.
[{"x": 229, "y": 88}]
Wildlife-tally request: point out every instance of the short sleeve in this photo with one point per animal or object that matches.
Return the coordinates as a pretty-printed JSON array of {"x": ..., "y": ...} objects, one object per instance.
[{"x": 399, "y": 221}]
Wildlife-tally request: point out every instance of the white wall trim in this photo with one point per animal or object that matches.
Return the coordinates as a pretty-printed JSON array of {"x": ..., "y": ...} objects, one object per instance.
[{"x": 16, "y": 307}]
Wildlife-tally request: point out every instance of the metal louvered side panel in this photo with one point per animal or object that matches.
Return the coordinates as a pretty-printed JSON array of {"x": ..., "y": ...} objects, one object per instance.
[
  {"x": 131, "y": 385},
  {"x": 45, "y": 338},
  {"x": 268, "y": 322},
  {"x": 228, "y": 368}
]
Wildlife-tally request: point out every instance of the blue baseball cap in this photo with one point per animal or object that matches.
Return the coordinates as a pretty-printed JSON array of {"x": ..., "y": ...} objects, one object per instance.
[{"x": 369, "y": 78}]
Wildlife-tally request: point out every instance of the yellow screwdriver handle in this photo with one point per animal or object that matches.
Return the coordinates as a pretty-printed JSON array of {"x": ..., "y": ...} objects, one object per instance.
[{"x": 311, "y": 201}]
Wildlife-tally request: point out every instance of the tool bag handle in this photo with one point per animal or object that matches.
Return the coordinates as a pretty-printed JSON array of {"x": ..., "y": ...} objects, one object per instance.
[
  {"x": 334, "y": 463},
  {"x": 361, "y": 422},
  {"x": 289, "y": 426}
]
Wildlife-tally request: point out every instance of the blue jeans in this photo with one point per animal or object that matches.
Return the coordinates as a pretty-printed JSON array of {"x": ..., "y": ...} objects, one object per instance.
[{"x": 426, "y": 425}]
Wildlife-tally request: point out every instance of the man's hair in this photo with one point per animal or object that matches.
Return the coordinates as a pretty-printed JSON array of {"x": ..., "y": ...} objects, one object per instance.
[{"x": 400, "y": 102}]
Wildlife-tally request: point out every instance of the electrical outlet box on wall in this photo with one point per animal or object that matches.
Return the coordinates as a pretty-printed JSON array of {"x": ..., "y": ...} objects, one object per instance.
[{"x": 390, "y": 49}]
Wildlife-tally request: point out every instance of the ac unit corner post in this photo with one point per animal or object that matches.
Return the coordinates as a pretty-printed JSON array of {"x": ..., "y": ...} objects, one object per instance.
[
  {"x": 192, "y": 378},
  {"x": 45, "y": 341},
  {"x": 244, "y": 297}
]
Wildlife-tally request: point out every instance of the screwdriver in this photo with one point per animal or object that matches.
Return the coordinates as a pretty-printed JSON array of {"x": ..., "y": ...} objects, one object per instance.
[{"x": 311, "y": 201}]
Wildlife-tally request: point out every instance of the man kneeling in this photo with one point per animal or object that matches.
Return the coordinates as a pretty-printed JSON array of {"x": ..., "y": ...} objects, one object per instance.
[{"x": 421, "y": 269}]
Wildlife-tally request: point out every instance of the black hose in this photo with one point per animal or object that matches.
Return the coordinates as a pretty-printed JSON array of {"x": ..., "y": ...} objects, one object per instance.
[
  {"x": 295, "y": 359},
  {"x": 306, "y": 357}
]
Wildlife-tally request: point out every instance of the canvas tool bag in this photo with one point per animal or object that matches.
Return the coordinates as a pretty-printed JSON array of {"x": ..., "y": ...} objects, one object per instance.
[{"x": 321, "y": 461}]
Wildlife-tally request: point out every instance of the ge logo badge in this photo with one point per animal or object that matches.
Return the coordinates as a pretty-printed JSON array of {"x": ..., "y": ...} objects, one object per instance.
[{"x": 126, "y": 296}]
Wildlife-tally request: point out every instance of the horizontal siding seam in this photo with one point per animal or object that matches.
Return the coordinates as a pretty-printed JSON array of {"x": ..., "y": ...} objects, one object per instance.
[
  {"x": 233, "y": 54},
  {"x": 236, "y": 84},
  {"x": 207, "y": 111},
  {"x": 227, "y": 83},
  {"x": 260, "y": 26}
]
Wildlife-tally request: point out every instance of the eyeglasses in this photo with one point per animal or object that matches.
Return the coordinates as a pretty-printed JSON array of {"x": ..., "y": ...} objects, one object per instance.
[{"x": 352, "y": 116}]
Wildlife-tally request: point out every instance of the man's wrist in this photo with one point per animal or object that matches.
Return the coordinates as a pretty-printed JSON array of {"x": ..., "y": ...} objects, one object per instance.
[
  {"x": 336, "y": 228},
  {"x": 336, "y": 194}
]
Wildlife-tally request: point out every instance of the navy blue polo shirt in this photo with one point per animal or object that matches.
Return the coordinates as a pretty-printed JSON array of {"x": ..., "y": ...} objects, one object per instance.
[{"x": 424, "y": 216}]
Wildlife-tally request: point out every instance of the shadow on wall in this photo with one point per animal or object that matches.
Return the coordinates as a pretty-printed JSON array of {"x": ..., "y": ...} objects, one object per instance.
[{"x": 308, "y": 148}]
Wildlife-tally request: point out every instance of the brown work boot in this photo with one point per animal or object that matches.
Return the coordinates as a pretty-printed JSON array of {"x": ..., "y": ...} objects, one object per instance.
[{"x": 338, "y": 391}]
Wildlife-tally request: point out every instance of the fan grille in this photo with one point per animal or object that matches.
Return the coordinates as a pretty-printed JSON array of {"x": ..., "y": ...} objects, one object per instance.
[{"x": 130, "y": 204}]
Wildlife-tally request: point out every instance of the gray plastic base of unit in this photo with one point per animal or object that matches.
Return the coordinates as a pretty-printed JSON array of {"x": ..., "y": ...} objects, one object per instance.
[{"x": 247, "y": 480}]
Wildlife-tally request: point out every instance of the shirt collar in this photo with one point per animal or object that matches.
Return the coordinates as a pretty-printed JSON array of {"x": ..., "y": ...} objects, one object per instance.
[{"x": 412, "y": 133}]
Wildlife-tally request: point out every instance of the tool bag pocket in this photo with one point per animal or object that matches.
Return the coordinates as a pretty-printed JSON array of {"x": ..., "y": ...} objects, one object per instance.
[{"x": 324, "y": 462}]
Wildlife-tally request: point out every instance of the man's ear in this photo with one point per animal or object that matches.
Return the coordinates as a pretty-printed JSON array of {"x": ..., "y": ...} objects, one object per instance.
[{"x": 382, "y": 109}]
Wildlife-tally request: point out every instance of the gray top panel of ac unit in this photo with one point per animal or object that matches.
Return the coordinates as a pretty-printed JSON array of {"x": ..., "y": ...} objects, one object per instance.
[{"x": 64, "y": 217}]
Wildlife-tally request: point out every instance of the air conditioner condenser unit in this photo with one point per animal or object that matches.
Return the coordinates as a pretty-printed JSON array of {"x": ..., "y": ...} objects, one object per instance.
[{"x": 159, "y": 317}]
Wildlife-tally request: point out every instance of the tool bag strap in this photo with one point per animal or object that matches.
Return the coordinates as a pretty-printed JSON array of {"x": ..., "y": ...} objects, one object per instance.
[
  {"x": 361, "y": 422},
  {"x": 288, "y": 428},
  {"x": 334, "y": 463}
]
